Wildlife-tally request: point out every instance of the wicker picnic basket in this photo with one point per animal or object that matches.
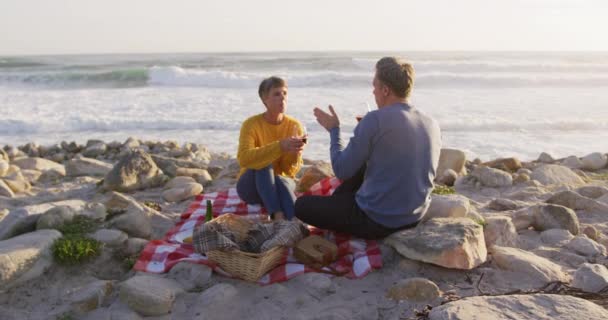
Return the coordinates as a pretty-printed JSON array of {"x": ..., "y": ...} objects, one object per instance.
[{"x": 245, "y": 265}]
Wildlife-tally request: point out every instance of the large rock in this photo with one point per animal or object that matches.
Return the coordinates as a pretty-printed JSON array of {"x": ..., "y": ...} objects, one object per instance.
[
  {"x": 55, "y": 217},
  {"x": 520, "y": 307},
  {"x": 82, "y": 166},
  {"x": 17, "y": 182},
  {"x": 499, "y": 230},
  {"x": 170, "y": 165},
  {"x": 586, "y": 246},
  {"x": 183, "y": 192},
  {"x": 594, "y": 161},
  {"x": 5, "y": 190},
  {"x": 555, "y": 174},
  {"x": 110, "y": 237},
  {"x": 555, "y": 217},
  {"x": 591, "y": 277},
  {"x": 592, "y": 192},
  {"x": 447, "y": 206},
  {"x": 452, "y": 159},
  {"x": 134, "y": 171},
  {"x": 95, "y": 149},
  {"x": 491, "y": 177},
  {"x": 448, "y": 242},
  {"x": 89, "y": 297},
  {"x": 416, "y": 289},
  {"x": 517, "y": 260},
  {"x": 135, "y": 219},
  {"x": 25, "y": 257},
  {"x": 39, "y": 164},
  {"x": 201, "y": 176},
  {"x": 502, "y": 204},
  {"x": 314, "y": 174},
  {"x": 150, "y": 295},
  {"x": 179, "y": 182},
  {"x": 556, "y": 237},
  {"x": 23, "y": 219},
  {"x": 545, "y": 158},
  {"x": 3, "y": 167},
  {"x": 575, "y": 201}
]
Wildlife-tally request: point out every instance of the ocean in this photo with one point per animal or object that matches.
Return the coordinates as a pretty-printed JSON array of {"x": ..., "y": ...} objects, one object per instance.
[{"x": 488, "y": 104}]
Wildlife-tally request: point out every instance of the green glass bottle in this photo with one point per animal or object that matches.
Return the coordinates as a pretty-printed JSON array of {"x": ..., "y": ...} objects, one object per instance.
[{"x": 209, "y": 214}]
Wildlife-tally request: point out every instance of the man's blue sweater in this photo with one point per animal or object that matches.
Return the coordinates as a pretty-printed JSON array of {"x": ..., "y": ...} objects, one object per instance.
[{"x": 400, "y": 146}]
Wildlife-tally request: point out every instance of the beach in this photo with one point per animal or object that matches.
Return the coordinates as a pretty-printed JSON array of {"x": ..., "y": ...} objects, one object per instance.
[{"x": 528, "y": 235}]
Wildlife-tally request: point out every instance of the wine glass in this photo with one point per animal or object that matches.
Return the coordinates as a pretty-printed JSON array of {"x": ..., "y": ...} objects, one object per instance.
[{"x": 368, "y": 107}]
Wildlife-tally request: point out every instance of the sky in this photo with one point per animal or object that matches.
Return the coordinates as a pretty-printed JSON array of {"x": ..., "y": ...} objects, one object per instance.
[{"x": 142, "y": 26}]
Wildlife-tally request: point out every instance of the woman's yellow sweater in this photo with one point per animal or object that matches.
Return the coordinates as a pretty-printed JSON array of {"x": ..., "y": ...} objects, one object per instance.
[{"x": 259, "y": 145}]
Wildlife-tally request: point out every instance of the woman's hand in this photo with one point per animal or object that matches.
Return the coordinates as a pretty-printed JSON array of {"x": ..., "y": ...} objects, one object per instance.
[{"x": 292, "y": 144}]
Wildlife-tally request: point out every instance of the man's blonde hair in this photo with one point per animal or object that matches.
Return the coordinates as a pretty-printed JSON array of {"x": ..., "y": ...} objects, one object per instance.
[{"x": 396, "y": 74}]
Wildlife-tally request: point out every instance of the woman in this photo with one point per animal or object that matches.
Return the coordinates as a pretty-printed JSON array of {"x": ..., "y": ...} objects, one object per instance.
[{"x": 270, "y": 153}]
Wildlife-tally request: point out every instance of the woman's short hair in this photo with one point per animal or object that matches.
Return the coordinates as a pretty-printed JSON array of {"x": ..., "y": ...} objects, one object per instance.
[
  {"x": 396, "y": 74},
  {"x": 267, "y": 84}
]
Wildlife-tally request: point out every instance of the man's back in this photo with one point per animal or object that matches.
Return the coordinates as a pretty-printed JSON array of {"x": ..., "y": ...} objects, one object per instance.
[{"x": 404, "y": 146}]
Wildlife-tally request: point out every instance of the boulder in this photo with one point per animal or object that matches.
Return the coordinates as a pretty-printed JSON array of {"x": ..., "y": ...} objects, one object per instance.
[
  {"x": 17, "y": 182},
  {"x": 520, "y": 307},
  {"x": 25, "y": 257},
  {"x": 575, "y": 201},
  {"x": 585, "y": 246},
  {"x": 179, "y": 182},
  {"x": 31, "y": 176},
  {"x": 55, "y": 217},
  {"x": 517, "y": 260},
  {"x": 594, "y": 161},
  {"x": 3, "y": 167},
  {"x": 499, "y": 230},
  {"x": 555, "y": 217},
  {"x": 492, "y": 177},
  {"x": 555, "y": 174},
  {"x": 183, "y": 192},
  {"x": 5, "y": 190},
  {"x": 82, "y": 166},
  {"x": 572, "y": 162},
  {"x": 149, "y": 295},
  {"x": 313, "y": 174},
  {"x": 134, "y": 246},
  {"x": 133, "y": 172},
  {"x": 39, "y": 164},
  {"x": 416, "y": 289},
  {"x": 591, "y": 277},
  {"x": 452, "y": 159},
  {"x": 447, "y": 206},
  {"x": 448, "y": 242},
  {"x": 556, "y": 237},
  {"x": 592, "y": 192},
  {"x": 23, "y": 219}
]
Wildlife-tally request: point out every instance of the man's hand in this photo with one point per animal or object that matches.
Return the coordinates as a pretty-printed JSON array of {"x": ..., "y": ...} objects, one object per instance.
[
  {"x": 328, "y": 121},
  {"x": 292, "y": 144}
]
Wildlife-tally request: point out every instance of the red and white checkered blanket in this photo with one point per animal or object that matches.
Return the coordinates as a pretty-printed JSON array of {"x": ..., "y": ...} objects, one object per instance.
[{"x": 356, "y": 257}]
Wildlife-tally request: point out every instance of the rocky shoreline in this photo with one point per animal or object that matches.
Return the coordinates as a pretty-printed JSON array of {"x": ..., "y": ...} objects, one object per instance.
[{"x": 493, "y": 229}]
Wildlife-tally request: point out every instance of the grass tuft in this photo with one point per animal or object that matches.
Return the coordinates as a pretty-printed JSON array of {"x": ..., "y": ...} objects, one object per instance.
[
  {"x": 442, "y": 190},
  {"x": 75, "y": 249},
  {"x": 79, "y": 225}
]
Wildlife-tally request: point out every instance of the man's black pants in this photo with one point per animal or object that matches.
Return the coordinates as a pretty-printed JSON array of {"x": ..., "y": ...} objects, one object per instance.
[{"x": 340, "y": 212}]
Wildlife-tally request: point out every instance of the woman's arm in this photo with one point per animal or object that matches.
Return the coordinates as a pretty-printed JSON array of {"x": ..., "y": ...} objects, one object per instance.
[{"x": 252, "y": 157}]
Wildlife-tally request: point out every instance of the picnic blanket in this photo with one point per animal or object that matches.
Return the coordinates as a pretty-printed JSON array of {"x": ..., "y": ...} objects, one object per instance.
[{"x": 356, "y": 257}]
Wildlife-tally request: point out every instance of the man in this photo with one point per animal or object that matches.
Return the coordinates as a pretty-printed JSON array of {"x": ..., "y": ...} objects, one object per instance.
[{"x": 388, "y": 166}]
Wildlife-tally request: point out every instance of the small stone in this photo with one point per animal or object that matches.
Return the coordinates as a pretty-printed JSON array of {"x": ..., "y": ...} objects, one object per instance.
[
  {"x": 492, "y": 177},
  {"x": 90, "y": 297},
  {"x": 150, "y": 295},
  {"x": 591, "y": 232},
  {"x": 111, "y": 237},
  {"x": 135, "y": 245},
  {"x": 179, "y": 182},
  {"x": 190, "y": 275},
  {"x": 507, "y": 164},
  {"x": 444, "y": 206},
  {"x": 416, "y": 289},
  {"x": 555, "y": 217},
  {"x": 55, "y": 217}
]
